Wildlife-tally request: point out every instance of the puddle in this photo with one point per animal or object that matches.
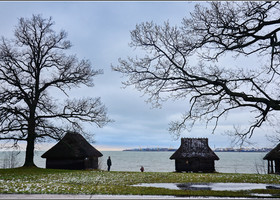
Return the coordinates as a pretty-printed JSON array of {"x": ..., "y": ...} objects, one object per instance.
[
  {"x": 261, "y": 195},
  {"x": 210, "y": 186}
]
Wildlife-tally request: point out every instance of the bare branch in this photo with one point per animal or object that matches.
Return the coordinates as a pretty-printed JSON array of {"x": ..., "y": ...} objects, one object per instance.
[{"x": 221, "y": 29}]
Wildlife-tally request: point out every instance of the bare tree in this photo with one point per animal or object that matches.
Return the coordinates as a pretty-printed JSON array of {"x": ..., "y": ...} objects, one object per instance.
[
  {"x": 32, "y": 66},
  {"x": 183, "y": 62}
]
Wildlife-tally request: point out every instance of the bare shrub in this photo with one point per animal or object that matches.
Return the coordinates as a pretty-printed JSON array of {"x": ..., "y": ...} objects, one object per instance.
[
  {"x": 260, "y": 167},
  {"x": 10, "y": 160}
]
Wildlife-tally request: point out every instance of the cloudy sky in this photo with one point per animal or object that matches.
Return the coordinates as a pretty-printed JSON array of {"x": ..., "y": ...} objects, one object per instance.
[{"x": 100, "y": 32}]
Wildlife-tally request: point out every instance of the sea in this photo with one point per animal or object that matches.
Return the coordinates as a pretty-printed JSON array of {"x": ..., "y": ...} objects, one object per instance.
[{"x": 158, "y": 161}]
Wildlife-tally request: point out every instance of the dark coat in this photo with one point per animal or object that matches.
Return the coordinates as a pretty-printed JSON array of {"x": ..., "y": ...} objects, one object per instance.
[{"x": 109, "y": 162}]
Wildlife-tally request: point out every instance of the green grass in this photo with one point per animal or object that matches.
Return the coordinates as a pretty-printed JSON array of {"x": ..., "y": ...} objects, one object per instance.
[{"x": 48, "y": 181}]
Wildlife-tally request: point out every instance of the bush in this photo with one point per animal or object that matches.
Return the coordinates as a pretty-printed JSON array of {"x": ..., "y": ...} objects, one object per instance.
[{"x": 10, "y": 160}]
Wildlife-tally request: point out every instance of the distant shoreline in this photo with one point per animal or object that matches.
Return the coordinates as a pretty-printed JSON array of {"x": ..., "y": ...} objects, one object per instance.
[
  {"x": 215, "y": 150},
  {"x": 151, "y": 149}
]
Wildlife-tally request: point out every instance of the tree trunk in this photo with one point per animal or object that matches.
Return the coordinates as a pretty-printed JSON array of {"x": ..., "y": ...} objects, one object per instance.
[{"x": 29, "y": 155}]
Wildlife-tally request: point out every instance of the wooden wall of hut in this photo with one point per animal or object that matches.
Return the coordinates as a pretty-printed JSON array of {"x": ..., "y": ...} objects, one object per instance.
[
  {"x": 91, "y": 163},
  {"x": 74, "y": 164},
  {"x": 64, "y": 164},
  {"x": 194, "y": 165}
]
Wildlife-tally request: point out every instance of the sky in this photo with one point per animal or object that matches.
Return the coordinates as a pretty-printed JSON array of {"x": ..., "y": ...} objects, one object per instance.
[{"x": 100, "y": 32}]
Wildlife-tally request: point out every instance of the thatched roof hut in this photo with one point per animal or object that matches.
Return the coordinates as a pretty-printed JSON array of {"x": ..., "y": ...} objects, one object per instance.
[
  {"x": 273, "y": 158},
  {"x": 194, "y": 155},
  {"x": 72, "y": 152}
]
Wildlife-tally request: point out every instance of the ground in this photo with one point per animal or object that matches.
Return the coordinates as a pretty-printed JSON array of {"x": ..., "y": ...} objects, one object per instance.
[{"x": 47, "y": 181}]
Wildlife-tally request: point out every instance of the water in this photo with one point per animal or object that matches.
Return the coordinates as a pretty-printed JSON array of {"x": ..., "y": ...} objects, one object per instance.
[
  {"x": 211, "y": 186},
  {"x": 230, "y": 162}
]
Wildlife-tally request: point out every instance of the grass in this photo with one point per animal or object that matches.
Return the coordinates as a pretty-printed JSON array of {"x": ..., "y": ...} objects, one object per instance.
[{"x": 49, "y": 181}]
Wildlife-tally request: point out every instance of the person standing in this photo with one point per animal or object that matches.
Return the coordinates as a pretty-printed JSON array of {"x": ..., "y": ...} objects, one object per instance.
[{"x": 109, "y": 163}]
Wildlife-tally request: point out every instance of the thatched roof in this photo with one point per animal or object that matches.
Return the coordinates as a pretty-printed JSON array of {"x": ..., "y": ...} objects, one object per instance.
[
  {"x": 274, "y": 154},
  {"x": 194, "y": 148},
  {"x": 72, "y": 145}
]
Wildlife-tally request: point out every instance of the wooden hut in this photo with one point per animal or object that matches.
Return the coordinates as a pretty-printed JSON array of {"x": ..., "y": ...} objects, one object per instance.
[
  {"x": 194, "y": 155},
  {"x": 72, "y": 152},
  {"x": 273, "y": 159}
]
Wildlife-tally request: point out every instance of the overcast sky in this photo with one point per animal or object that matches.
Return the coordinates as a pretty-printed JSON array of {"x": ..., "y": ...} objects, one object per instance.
[{"x": 100, "y": 32}]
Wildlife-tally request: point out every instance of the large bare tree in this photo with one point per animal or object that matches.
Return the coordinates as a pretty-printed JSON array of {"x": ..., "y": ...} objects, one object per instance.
[
  {"x": 33, "y": 65},
  {"x": 185, "y": 62}
]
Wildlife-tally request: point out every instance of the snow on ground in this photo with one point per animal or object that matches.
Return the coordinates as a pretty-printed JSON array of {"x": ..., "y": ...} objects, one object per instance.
[{"x": 58, "y": 196}]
